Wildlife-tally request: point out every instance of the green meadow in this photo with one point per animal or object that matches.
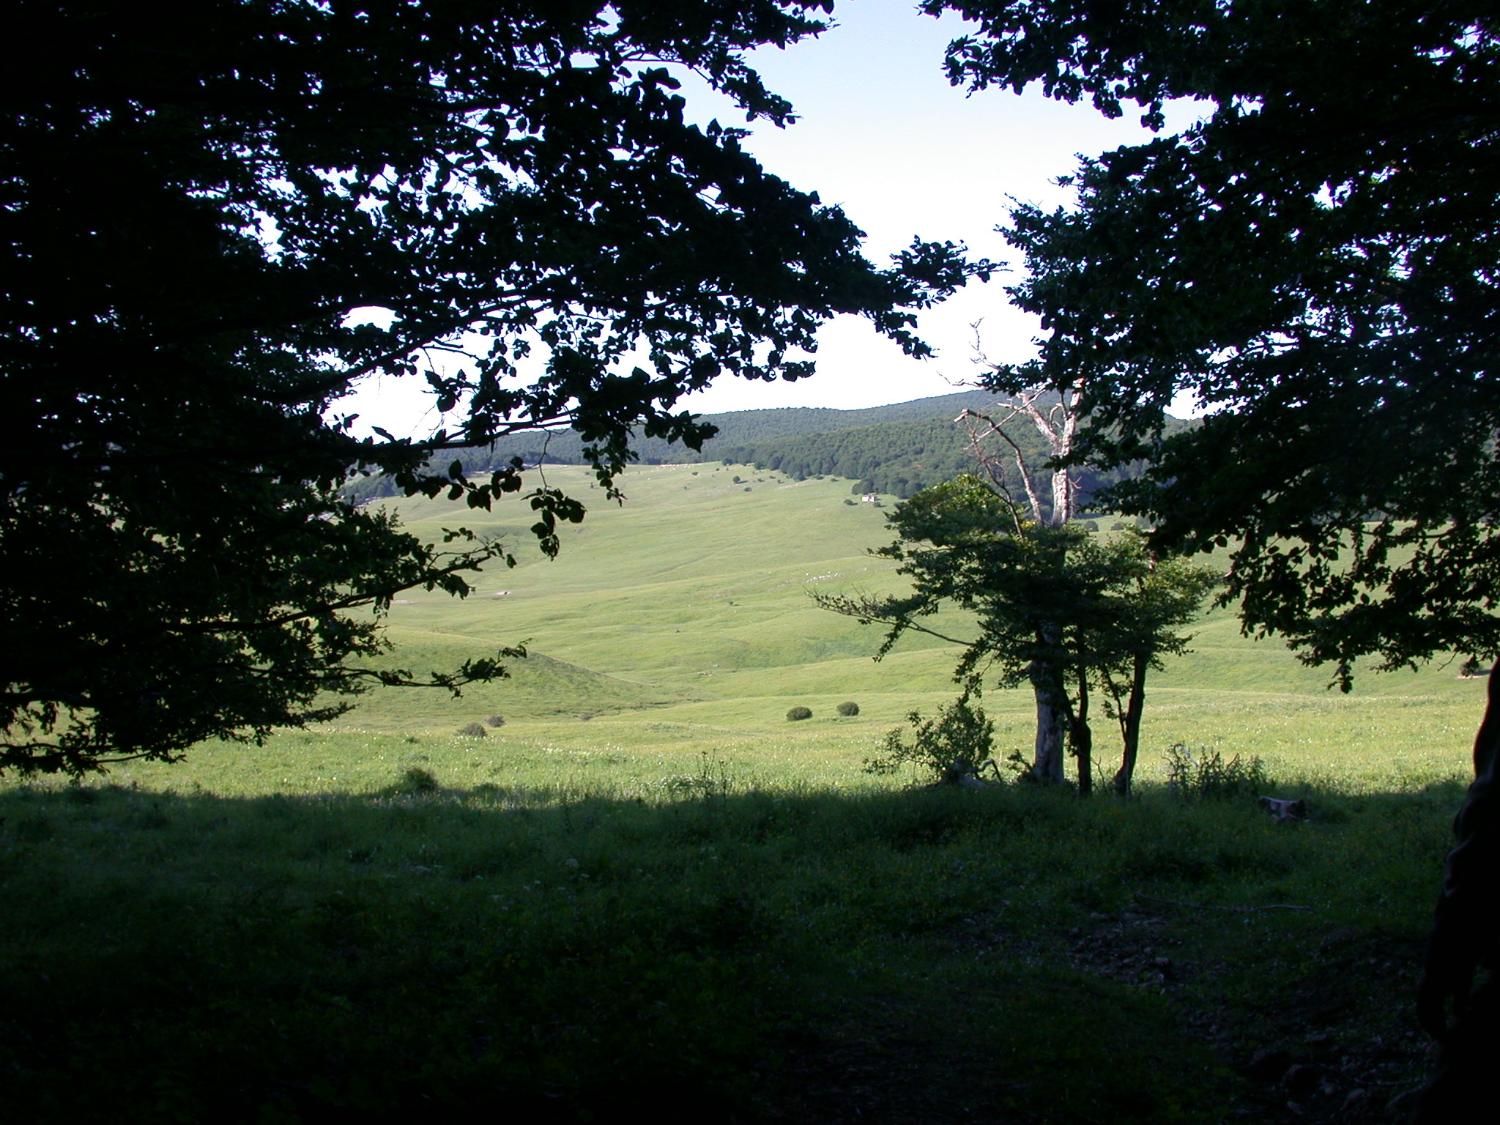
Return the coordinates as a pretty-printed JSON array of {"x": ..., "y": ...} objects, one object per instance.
[{"x": 646, "y": 888}]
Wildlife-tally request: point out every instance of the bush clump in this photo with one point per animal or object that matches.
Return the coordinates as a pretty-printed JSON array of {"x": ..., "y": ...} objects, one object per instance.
[
  {"x": 956, "y": 748},
  {"x": 471, "y": 730},
  {"x": 797, "y": 714},
  {"x": 417, "y": 780},
  {"x": 848, "y": 710},
  {"x": 1203, "y": 774},
  {"x": 496, "y": 720}
]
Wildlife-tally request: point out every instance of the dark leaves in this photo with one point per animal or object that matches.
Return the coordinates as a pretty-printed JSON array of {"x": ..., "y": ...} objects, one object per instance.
[
  {"x": 1314, "y": 263},
  {"x": 198, "y": 208}
]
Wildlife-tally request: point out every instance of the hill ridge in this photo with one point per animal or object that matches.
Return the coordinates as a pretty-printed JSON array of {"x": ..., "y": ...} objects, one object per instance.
[{"x": 898, "y": 448}]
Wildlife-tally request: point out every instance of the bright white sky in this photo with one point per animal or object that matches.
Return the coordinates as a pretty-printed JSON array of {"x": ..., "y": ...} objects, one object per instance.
[{"x": 882, "y": 134}]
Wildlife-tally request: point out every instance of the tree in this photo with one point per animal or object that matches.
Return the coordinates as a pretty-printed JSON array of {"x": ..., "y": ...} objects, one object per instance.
[
  {"x": 1315, "y": 261},
  {"x": 1156, "y": 595},
  {"x": 1053, "y": 414},
  {"x": 219, "y": 219},
  {"x": 1056, "y": 423},
  {"x": 1052, "y": 606}
]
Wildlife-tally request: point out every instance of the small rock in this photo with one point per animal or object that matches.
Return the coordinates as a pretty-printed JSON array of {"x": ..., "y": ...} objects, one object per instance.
[
  {"x": 1404, "y": 1104},
  {"x": 1268, "y": 1064},
  {"x": 1302, "y": 1078}
]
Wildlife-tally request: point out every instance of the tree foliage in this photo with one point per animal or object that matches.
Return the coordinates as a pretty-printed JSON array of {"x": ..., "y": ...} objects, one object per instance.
[
  {"x": 219, "y": 219},
  {"x": 1315, "y": 261},
  {"x": 1318, "y": 262}
]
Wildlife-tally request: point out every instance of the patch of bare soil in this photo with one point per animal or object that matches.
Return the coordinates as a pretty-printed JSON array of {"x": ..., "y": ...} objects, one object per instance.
[{"x": 1334, "y": 1043}]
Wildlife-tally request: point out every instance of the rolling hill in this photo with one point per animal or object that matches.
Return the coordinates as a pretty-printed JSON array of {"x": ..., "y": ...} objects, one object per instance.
[
  {"x": 680, "y": 620},
  {"x": 897, "y": 449}
]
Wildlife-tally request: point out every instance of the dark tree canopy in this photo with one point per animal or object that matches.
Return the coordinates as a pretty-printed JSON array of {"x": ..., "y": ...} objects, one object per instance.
[
  {"x": 196, "y": 203},
  {"x": 1318, "y": 262}
]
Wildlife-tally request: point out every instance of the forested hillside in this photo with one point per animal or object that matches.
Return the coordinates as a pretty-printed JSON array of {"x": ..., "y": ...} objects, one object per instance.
[
  {"x": 897, "y": 449},
  {"x": 900, "y": 457}
]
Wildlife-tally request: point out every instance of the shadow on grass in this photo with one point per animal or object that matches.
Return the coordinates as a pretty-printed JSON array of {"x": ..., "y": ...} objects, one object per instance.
[{"x": 1006, "y": 955}]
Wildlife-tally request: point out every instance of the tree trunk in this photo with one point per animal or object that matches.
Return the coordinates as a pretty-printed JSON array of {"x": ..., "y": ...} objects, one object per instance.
[
  {"x": 1062, "y": 497},
  {"x": 1081, "y": 737},
  {"x": 1130, "y": 725},
  {"x": 1463, "y": 939},
  {"x": 1050, "y": 728},
  {"x": 1051, "y": 722}
]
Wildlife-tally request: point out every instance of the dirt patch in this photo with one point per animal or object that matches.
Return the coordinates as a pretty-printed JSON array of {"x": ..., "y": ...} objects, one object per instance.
[{"x": 1333, "y": 1042}]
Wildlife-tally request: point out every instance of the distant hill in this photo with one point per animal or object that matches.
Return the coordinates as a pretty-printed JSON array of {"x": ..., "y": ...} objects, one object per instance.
[
  {"x": 897, "y": 449},
  {"x": 743, "y": 430}
]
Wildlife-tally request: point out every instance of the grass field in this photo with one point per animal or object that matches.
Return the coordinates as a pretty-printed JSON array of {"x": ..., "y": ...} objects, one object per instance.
[
  {"x": 649, "y": 888},
  {"x": 680, "y": 623}
]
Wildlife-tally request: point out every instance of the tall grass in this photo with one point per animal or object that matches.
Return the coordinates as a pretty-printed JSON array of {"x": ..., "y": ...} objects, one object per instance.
[
  {"x": 647, "y": 888},
  {"x": 693, "y": 942}
]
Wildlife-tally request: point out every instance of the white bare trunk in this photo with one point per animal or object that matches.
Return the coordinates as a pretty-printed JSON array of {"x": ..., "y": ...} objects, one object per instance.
[
  {"x": 1058, "y": 426},
  {"x": 1062, "y": 497}
]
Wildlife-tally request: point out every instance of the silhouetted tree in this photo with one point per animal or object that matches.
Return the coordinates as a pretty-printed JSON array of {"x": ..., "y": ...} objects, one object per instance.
[
  {"x": 219, "y": 218},
  {"x": 1317, "y": 262},
  {"x": 1314, "y": 261}
]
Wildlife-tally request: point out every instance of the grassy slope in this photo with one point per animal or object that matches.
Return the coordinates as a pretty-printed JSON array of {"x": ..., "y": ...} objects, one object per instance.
[
  {"x": 649, "y": 887},
  {"x": 680, "y": 622},
  {"x": 689, "y": 604}
]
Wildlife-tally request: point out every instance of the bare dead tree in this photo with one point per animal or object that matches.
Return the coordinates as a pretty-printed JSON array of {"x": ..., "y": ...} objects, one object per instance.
[
  {"x": 996, "y": 450},
  {"x": 1057, "y": 423}
]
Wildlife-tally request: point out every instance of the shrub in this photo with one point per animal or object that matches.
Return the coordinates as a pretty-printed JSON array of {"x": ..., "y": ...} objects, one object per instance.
[
  {"x": 711, "y": 780},
  {"x": 471, "y": 730},
  {"x": 1203, "y": 774},
  {"x": 796, "y": 714},
  {"x": 417, "y": 780},
  {"x": 496, "y": 720},
  {"x": 848, "y": 710},
  {"x": 955, "y": 746}
]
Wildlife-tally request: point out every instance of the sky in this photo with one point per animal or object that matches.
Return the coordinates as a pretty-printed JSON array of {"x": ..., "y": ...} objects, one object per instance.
[{"x": 881, "y": 133}]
